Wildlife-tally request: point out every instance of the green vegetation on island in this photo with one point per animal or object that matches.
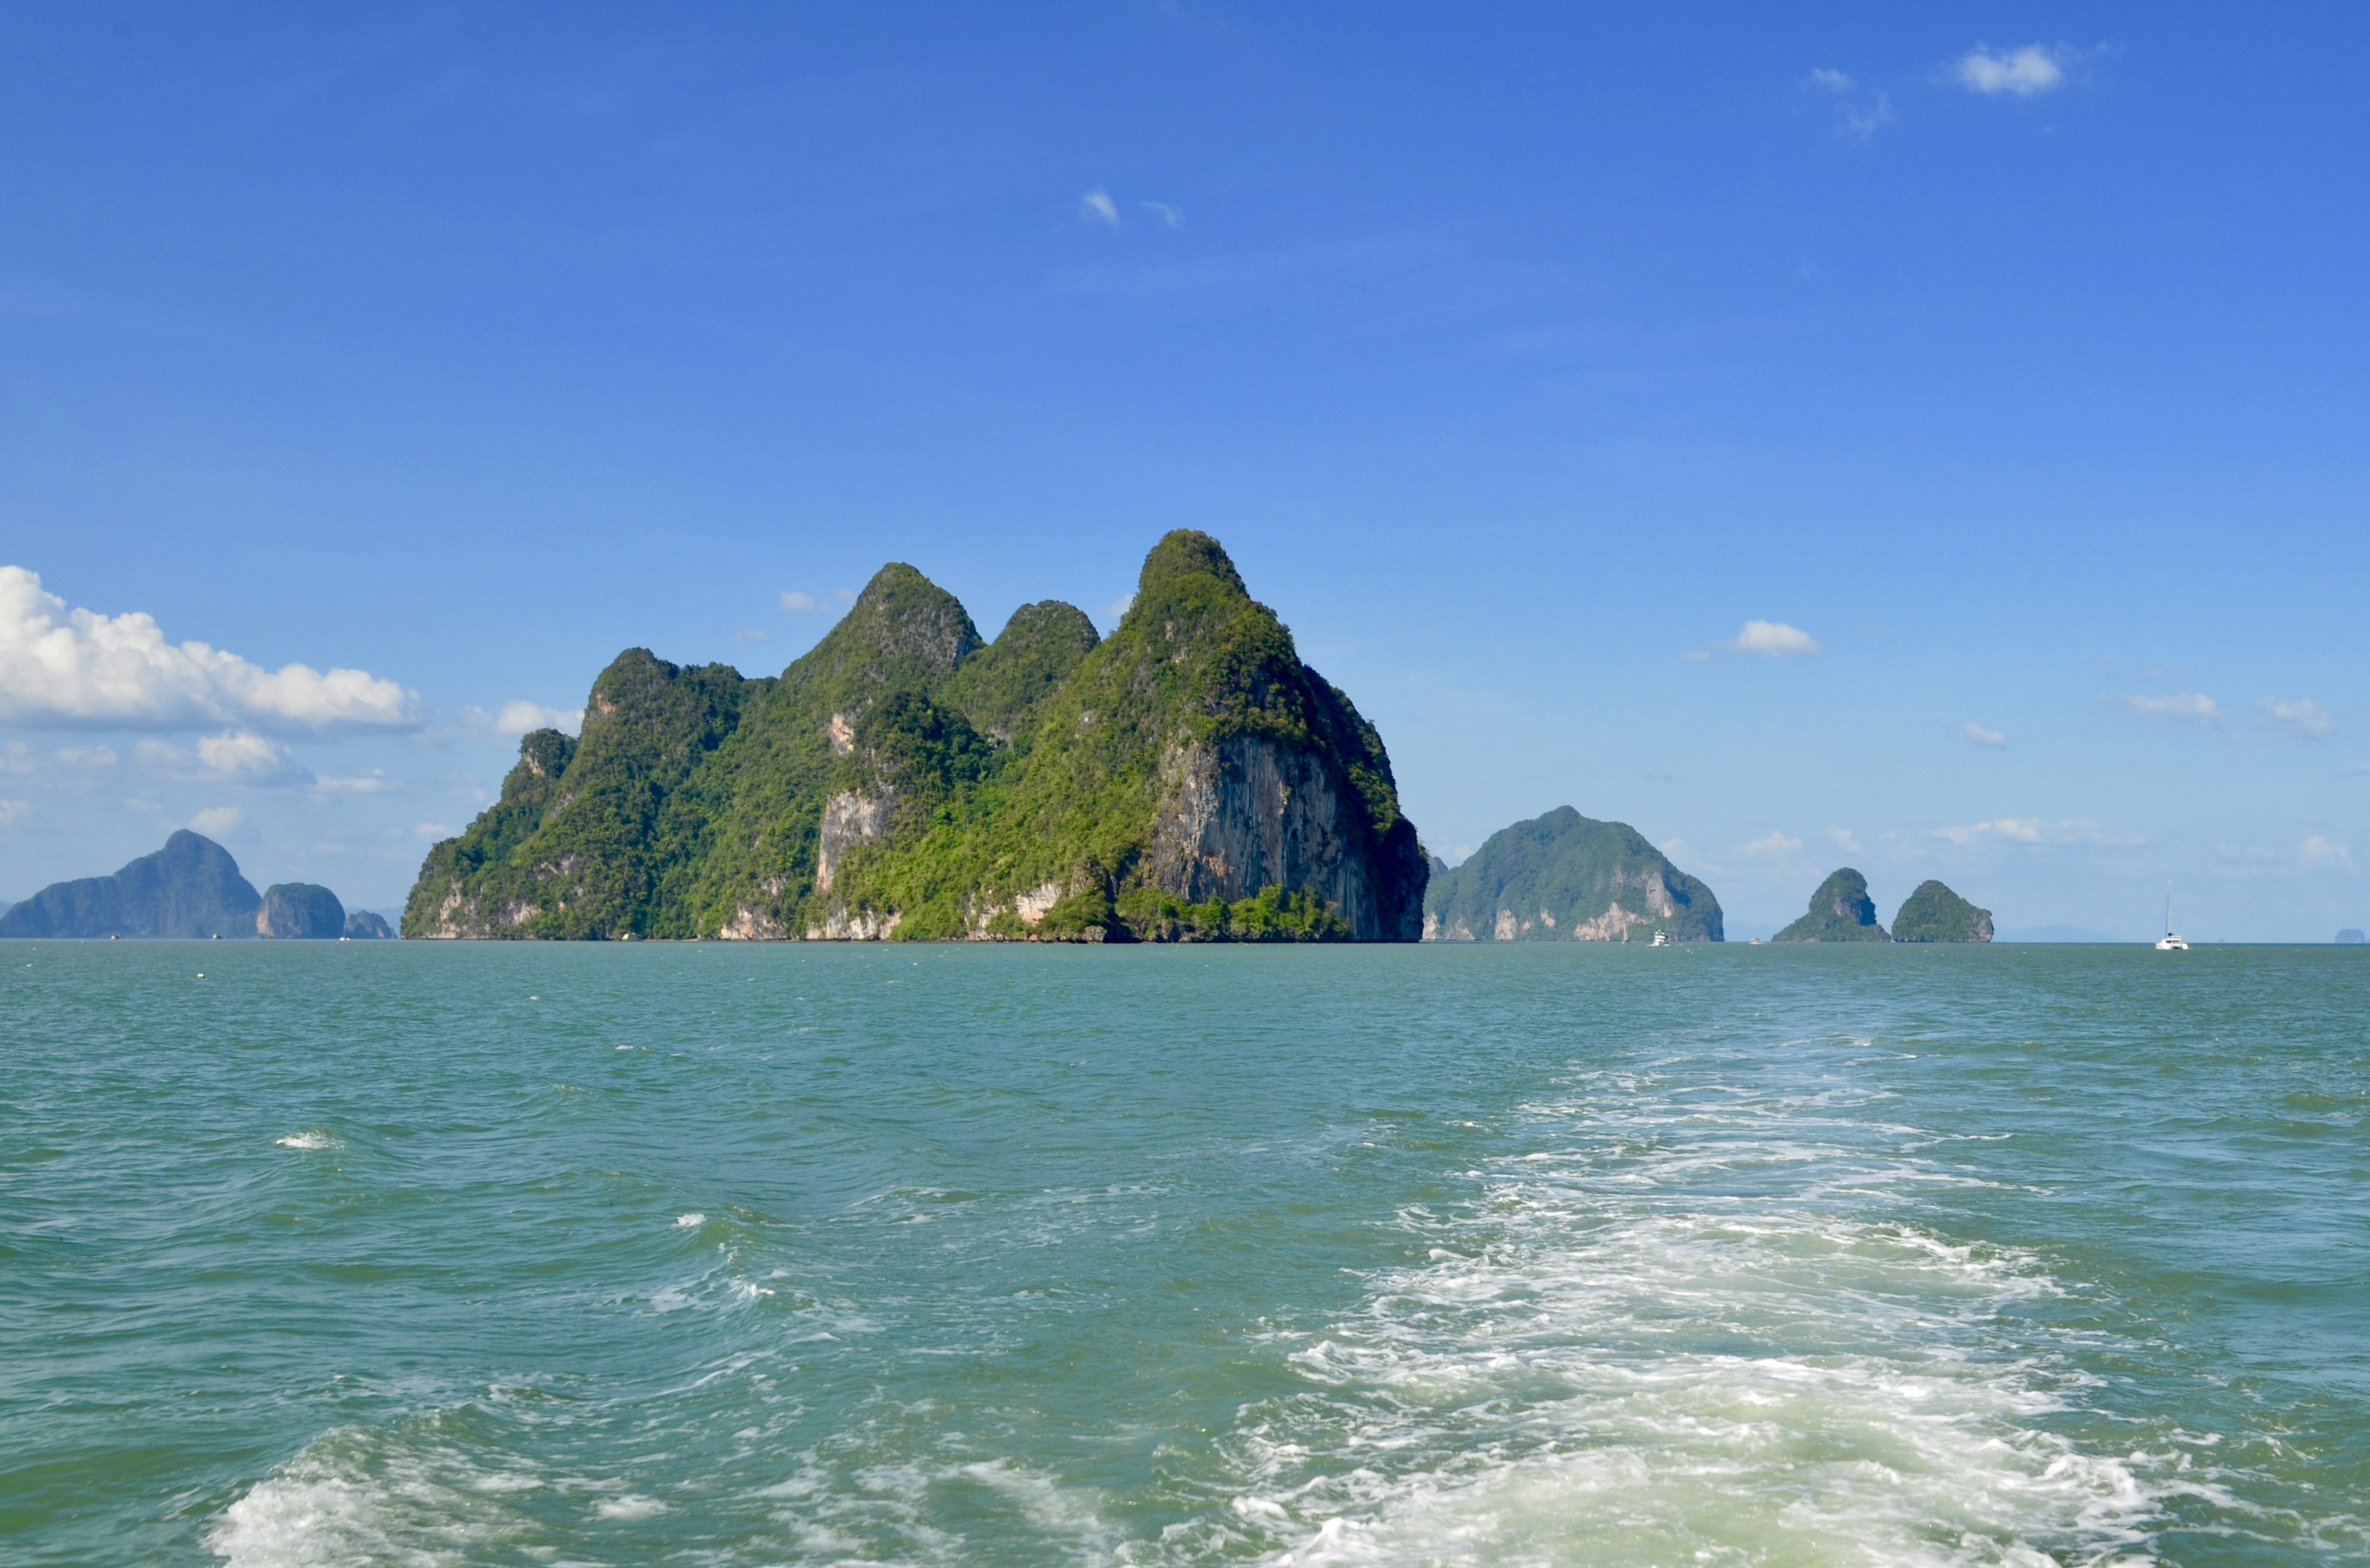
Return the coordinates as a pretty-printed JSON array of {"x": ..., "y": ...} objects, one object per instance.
[
  {"x": 1841, "y": 910},
  {"x": 1187, "y": 778},
  {"x": 1934, "y": 913},
  {"x": 1565, "y": 878}
]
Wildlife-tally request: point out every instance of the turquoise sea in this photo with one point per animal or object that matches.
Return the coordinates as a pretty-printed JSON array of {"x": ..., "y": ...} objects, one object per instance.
[{"x": 424, "y": 1254}]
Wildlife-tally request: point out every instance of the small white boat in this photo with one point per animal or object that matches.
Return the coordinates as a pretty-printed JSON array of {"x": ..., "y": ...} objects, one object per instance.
[
  {"x": 1662, "y": 937},
  {"x": 2171, "y": 941}
]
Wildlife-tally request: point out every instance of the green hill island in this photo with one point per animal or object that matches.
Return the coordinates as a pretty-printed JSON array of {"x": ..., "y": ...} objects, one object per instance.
[
  {"x": 1565, "y": 878},
  {"x": 1840, "y": 911},
  {"x": 1934, "y": 913},
  {"x": 1187, "y": 778}
]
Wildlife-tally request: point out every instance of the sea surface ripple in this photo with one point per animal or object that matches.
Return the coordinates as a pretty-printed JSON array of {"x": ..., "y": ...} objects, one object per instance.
[{"x": 425, "y": 1254}]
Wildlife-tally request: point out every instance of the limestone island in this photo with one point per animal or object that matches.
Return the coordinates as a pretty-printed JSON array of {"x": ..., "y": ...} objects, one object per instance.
[
  {"x": 1185, "y": 779},
  {"x": 191, "y": 887},
  {"x": 1934, "y": 913},
  {"x": 1565, "y": 878},
  {"x": 1840, "y": 911}
]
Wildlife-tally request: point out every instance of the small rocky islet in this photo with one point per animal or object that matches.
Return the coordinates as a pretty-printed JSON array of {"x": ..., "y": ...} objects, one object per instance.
[{"x": 1841, "y": 910}]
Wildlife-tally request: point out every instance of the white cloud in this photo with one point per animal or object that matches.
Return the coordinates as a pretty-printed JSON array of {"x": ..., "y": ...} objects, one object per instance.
[
  {"x": 2035, "y": 68},
  {"x": 217, "y": 820},
  {"x": 433, "y": 830},
  {"x": 2194, "y": 705},
  {"x": 1833, "y": 81},
  {"x": 1772, "y": 845},
  {"x": 1775, "y": 639},
  {"x": 750, "y": 635},
  {"x": 798, "y": 603},
  {"x": 15, "y": 811},
  {"x": 1845, "y": 840},
  {"x": 1983, "y": 737},
  {"x": 85, "y": 759},
  {"x": 514, "y": 718},
  {"x": 1168, "y": 216},
  {"x": 77, "y": 667},
  {"x": 2303, "y": 717},
  {"x": 1096, "y": 206},
  {"x": 1675, "y": 848},
  {"x": 1116, "y": 611},
  {"x": 2033, "y": 830},
  {"x": 2319, "y": 850}
]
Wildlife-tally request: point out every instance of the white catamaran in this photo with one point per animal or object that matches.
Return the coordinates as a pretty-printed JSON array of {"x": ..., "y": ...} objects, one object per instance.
[{"x": 2171, "y": 941}]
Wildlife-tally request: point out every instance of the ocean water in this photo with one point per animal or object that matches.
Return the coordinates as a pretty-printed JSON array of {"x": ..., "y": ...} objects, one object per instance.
[{"x": 425, "y": 1254}]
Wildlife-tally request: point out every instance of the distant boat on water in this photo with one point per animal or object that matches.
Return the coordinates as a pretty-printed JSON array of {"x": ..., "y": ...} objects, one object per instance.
[{"x": 2171, "y": 941}]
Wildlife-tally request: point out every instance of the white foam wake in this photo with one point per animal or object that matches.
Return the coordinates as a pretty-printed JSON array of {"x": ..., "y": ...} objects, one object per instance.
[{"x": 1701, "y": 1333}]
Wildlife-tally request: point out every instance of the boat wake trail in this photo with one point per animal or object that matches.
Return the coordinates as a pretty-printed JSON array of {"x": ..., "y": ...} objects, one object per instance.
[{"x": 1691, "y": 1325}]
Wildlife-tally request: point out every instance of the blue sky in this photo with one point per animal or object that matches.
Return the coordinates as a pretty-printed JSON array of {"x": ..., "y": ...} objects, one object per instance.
[{"x": 2007, "y": 362}]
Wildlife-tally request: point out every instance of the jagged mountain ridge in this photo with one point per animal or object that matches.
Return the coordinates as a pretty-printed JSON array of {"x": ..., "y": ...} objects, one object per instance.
[
  {"x": 1566, "y": 877},
  {"x": 1185, "y": 778}
]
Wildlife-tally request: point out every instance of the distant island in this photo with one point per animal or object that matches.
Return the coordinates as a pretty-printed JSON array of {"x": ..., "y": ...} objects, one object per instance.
[
  {"x": 1841, "y": 910},
  {"x": 1565, "y": 878},
  {"x": 1186, "y": 779},
  {"x": 191, "y": 887},
  {"x": 1934, "y": 913}
]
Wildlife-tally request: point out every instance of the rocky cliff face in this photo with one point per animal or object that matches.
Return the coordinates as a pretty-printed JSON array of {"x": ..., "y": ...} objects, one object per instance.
[
  {"x": 1189, "y": 777},
  {"x": 1244, "y": 814},
  {"x": 302, "y": 911},
  {"x": 191, "y": 887},
  {"x": 1565, "y": 878},
  {"x": 1840, "y": 911},
  {"x": 361, "y": 925}
]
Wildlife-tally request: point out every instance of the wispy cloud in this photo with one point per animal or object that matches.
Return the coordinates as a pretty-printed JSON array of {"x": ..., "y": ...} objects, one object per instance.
[
  {"x": 2302, "y": 717},
  {"x": 1097, "y": 207},
  {"x": 1169, "y": 217},
  {"x": 13, "y": 811},
  {"x": 2193, "y": 706},
  {"x": 77, "y": 667},
  {"x": 2319, "y": 850},
  {"x": 234, "y": 757},
  {"x": 1845, "y": 840},
  {"x": 1860, "y": 122},
  {"x": 2018, "y": 72},
  {"x": 370, "y": 781},
  {"x": 798, "y": 603},
  {"x": 216, "y": 820},
  {"x": 514, "y": 718},
  {"x": 1832, "y": 81},
  {"x": 1772, "y": 845},
  {"x": 2033, "y": 831},
  {"x": 1983, "y": 737},
  {"x": 745, "y": 634}
]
